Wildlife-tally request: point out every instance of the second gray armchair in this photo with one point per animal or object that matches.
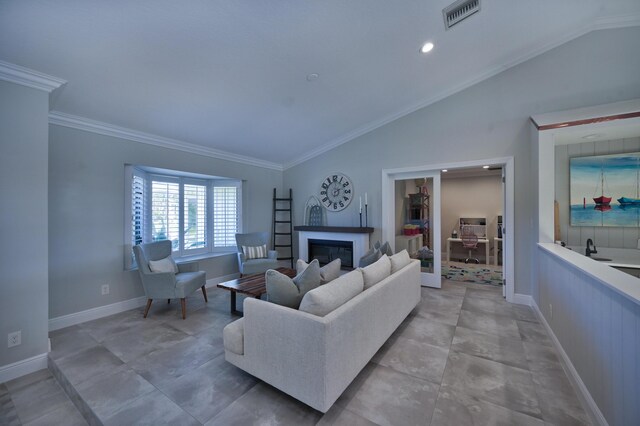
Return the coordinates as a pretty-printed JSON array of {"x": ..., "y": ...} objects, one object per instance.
[
  {"x": 257, "y": 265},
  {"x": 167, "y": 285}
]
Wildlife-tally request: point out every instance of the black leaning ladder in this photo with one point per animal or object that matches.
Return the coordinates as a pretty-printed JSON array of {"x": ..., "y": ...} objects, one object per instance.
[{"x": 283, "y": 224}]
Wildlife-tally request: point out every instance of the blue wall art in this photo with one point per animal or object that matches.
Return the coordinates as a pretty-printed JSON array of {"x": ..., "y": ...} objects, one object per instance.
[{"x": 605, "y": 190}]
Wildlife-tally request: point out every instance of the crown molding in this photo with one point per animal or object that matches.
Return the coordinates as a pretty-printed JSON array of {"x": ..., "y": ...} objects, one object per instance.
[
  {"x": 620, "y": 21},
  {"x": 30, "y": 78},
  {"x": 80, "y": 123},
  {"x": 600, "y": 24}
]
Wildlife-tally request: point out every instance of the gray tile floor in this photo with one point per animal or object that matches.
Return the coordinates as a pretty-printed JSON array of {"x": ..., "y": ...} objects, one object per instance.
[{"x": 463, "y": 357}]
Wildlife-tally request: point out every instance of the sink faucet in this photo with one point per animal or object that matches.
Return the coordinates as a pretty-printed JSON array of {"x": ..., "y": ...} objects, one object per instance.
[{"x": 589, "y": 251}]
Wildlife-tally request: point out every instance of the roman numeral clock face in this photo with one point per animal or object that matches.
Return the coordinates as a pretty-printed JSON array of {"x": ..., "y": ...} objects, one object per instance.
[{"x": 336, "y": 192}]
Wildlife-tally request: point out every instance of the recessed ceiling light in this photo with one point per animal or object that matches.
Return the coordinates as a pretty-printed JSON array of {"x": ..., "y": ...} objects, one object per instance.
[
  {"x": 593, "y": 136},
  {"x": 485, "y": 167},
  {"x": 444, "y": 170},
  {"x": 427, "y": 47},
  {"x": 312, "y": 76}
]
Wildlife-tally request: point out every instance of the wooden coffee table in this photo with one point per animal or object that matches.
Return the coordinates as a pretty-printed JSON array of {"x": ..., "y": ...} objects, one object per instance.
[{"x": 251, "y": 285}]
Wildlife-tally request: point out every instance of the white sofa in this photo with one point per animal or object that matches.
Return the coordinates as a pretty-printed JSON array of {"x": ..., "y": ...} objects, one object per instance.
[{"x": 314, "y": 358}]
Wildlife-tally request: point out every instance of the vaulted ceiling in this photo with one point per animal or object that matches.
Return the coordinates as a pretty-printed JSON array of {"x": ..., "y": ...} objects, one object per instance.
[{"x": 235, "y": 76}]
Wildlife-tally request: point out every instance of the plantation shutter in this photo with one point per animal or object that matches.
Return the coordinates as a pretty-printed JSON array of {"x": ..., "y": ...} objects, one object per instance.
[
  {"x": 165, "y": 212},
  {"x": 137, "y": 209},
  {"x": 226, "y": 217},
  {"x": 195, "y": 217}
]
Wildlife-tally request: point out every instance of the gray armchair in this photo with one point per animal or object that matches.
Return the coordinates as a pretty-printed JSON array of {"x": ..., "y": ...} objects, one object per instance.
[
  {"x": 255, "y": 266},
  {"x": 167, "y": 285}
]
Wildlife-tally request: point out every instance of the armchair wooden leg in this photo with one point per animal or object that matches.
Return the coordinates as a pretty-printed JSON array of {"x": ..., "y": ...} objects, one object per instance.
[
  {"x": 146, "y": 310},
  {"x": 204, "y": 293},
  {"x": 183, "y": 302}
]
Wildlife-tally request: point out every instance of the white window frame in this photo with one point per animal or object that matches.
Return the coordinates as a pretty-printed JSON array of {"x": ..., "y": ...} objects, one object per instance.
[{"x": 174, "y": 177}]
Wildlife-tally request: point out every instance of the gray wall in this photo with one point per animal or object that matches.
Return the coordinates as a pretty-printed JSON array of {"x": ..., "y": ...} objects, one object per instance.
[
  {"x": 86, "y": 213},
  {"x": 577, "y": 235},
  {"x": 489, "y": 119},
  {"x": 23, "y": 220}
]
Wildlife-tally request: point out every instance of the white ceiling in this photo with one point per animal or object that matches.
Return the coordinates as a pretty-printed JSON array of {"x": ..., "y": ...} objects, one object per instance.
[{"x": 230, "y": 75}]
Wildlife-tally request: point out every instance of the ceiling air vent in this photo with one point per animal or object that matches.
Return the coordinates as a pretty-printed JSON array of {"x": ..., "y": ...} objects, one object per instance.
[{"x": 458, "y": 11}]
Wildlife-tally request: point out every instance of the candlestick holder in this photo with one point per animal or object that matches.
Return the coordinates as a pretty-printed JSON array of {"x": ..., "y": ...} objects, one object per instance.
[
  {"x": 366, "y": 216},
  {"x": 360, "y": 219}
]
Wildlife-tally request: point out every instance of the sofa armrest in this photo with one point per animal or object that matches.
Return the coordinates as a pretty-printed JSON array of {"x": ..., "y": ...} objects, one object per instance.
[
  {"x": 273, "y": 254},
  {"x": 188, "y": 267},
  {"x": 286, "y": 348}
]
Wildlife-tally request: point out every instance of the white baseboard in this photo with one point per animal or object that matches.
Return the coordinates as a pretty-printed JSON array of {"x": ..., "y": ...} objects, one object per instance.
[
  {"x": 583, "y": 393},
  {"x": 95, "y": 313},
  {"x": 20, "y": 368},
  {"x": 115, "y": 308},
  {"x": 522, "y": 299}
]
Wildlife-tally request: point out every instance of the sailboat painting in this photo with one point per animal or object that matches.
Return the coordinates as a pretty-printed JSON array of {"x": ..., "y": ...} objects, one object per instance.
[{"x": 605, "y": 190}]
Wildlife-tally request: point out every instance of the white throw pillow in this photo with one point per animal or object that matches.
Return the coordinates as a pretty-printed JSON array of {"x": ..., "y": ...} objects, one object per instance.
[
  {"x": 255, "y": 252},
  {"x": 399, "y": 261},
  {"x": 326, "y": 298},
  {"x": 376, "y": 272},
  {"x": 328, "y": 272},
  {"x": 163, "y": 265}
]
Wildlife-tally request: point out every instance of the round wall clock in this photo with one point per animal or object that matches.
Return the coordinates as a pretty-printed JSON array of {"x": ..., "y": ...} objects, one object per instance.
[{"x": 336, "y": 192}]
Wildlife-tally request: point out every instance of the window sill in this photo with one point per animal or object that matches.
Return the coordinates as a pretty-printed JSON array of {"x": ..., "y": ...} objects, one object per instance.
[
  {"x": 195, "y": 257},
  {"x": 203, "y": 256}
]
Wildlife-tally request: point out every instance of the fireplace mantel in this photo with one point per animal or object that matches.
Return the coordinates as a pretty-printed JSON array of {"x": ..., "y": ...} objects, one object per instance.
[{"x": 340, "y": 229}]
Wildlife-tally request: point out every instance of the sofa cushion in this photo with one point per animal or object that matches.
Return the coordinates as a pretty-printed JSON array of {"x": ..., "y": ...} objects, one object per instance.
[
  {"x": 163, "y": 265},
  {"x": 399, "y": 261},
  {"x": 369, "y": 257},
  {"x": 255, "y": 252},
  {"x": 233, "y": 337},
  {"x": 328, "y": 272},
  {"x": 285, "y": 291},
  {"x": 376, "y": 272},
  {"x": 330, "y": 296}
]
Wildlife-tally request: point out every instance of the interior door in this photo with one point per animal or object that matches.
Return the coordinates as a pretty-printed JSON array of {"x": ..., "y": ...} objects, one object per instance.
[
  {"x": 431, "y": 269},
  {"x": 504, "y": 236}
]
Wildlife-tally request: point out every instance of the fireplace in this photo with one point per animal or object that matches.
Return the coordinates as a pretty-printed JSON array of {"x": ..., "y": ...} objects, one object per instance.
[
  {"x": 343, "y": 239},
  {"x": 328, "y": 250}
]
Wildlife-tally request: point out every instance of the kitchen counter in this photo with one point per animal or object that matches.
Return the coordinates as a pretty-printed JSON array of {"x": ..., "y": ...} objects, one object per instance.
[
  {"x": 605, "y": 272},
  {"x": 619, "y": 257}
]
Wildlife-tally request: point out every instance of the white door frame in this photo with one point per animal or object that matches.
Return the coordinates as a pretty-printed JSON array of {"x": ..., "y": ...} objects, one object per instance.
[{"x": 389, "y": 176}]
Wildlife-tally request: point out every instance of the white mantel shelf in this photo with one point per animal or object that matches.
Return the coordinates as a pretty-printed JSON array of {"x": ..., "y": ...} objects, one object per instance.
[{"x": 339, "y": 229}]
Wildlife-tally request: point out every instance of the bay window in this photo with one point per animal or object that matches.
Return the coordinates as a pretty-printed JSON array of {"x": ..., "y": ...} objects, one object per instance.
[{"x": 198, "y": 214}]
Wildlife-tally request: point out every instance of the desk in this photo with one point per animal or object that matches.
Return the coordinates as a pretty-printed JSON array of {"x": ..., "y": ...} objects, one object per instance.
[
  {"x": 459, "y": 240},
  {"x": 497, "y": 243}
]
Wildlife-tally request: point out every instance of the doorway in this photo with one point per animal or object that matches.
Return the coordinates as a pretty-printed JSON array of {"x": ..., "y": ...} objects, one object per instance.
[
  {"x": 432, "y": 276},
  {"x": 472, "y": 210}
]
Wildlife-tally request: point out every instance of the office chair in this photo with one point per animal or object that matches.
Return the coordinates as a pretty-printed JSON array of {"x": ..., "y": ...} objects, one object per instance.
[{"x": 470, "y": 242}]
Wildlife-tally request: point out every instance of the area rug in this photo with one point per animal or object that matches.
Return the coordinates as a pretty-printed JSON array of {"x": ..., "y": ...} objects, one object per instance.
[{"x": 472, "y": 273}]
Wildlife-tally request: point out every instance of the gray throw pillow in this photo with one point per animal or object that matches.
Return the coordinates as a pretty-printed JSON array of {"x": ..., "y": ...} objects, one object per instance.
[
  {"x": 386, "y": 249},
  {"x": 369, "y": 258},
  {"x": 285, "y": 291},
  {"x": 328, "y": 272}
]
